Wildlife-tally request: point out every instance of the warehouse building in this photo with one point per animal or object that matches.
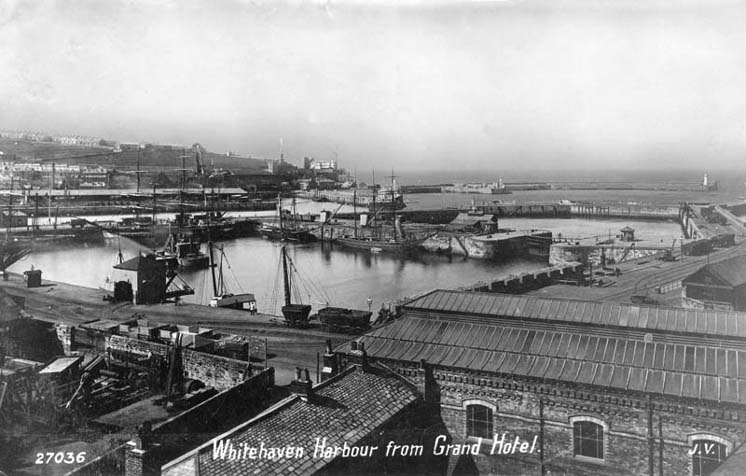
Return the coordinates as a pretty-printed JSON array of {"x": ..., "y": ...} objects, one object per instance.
[{"x": 550, "y": 386}]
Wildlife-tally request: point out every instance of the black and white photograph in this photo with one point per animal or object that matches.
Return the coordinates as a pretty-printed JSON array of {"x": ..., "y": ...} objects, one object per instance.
[{"x": 372, "y": 237}]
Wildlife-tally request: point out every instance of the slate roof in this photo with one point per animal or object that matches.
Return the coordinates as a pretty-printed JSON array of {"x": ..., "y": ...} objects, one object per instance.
[
  {"x": 731, "y": 272},
  {"x": 346, "y": 408},
  {"x": 586, "y": 313},
  {"x": 734, "y": 465},
  {"x": 539, "y": 347},
  {"x": 9, "y": 310}
]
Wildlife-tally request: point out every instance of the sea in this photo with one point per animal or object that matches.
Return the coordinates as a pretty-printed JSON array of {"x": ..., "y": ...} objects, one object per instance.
[{"x": 327, "y": 274}]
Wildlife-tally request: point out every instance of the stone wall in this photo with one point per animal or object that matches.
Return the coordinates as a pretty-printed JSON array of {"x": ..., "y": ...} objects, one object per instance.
[
  {"x": 560, "y": 253},
  {"x": 213, "y": 370}
]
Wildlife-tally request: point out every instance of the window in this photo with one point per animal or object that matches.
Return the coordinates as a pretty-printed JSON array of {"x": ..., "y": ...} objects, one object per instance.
[
  {"x": 588, "y": 438},
  {"x": 479, "y": 421},
  {"x": 707, "y": 454}
]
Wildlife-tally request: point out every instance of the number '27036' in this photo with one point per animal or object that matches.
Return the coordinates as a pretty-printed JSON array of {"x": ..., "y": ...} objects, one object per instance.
[{"x": 60, "y": 457}]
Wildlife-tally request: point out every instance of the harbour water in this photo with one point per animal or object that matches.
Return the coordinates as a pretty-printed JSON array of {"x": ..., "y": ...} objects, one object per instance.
[{"x": 329, "y": 273}]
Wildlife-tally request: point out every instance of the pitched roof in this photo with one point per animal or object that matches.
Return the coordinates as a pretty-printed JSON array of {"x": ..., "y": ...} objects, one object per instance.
[
  {"x": 674, "y": 352},
  {"x": 573, "y": 355},
  {"x": 346, "y": 408},
  {"x": 9, "y": 310},
  {"x": 621, "y": 316},
  {"x": 734, "y": 465},
  {"x": 731, "y": 271},
  {"x": 61, "y": 364},
  {"x": 140, "y": 263}
]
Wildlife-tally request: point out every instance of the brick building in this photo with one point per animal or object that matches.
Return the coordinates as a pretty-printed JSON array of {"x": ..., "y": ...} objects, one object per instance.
[
  {"x": 720, "y": 285},
  {"x": 330, "y": 428},
  {"x": 549, "y": 386}
]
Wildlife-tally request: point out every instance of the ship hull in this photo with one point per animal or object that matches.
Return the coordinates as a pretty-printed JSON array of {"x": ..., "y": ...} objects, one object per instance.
[
  {"x": 274, "y": 233},
  {"x": 379, "y": 245}
]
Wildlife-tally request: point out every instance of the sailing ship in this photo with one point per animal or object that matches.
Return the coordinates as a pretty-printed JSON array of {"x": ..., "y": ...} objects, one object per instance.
[
  {"x": 398, "y": 242},
  {"x": 295, "y": 314},
  {"x": 221, "y": 296},
  {"x": 286, "y": 228},
  {"x": 186, "y": 252}
]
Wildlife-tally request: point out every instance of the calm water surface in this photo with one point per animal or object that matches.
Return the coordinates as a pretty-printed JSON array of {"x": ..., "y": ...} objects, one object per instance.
[{"x": 331, "y": 274}]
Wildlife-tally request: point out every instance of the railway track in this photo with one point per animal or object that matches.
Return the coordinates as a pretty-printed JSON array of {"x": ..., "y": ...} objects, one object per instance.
[{"x": 674, "y": 273}]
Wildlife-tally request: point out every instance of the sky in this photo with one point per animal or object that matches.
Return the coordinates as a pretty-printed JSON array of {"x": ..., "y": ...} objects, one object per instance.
[{"x": 444, "y": 85}]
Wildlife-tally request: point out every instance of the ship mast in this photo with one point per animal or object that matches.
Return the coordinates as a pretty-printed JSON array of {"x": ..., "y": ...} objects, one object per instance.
[
  {"x": 354, "y": 208},
  {"x": 10, "y": 209},
  {"x": 279, "y": 214},
  {"x": 212, "y": 269},
  {"x": 373, "y": 211},
  {"x": 393, "y": 205},
  {"x": 285, "y": 275}
]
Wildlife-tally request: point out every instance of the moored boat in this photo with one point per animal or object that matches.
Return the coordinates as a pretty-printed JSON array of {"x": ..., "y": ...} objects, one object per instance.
[{"x": 295, "y": 314}]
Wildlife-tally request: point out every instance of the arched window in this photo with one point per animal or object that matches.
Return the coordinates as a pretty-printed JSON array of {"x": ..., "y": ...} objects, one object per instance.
[
  {"x": 707, "y": 452},
  {"x": 479, "y": 419},
  {"x": 588, "y": 437}
]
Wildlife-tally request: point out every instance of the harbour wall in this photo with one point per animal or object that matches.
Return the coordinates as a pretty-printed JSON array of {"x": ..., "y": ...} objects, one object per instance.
[
  {"x": 566, "y": 273},
  {"x": 593, "y": 210},
  {"x": 560, "y": 253},
  {"x": 495, "y": 246}
]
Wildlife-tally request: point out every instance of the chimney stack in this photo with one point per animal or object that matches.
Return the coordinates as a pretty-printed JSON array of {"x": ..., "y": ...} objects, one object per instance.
[
  {"x": 331, "y": 362},
  {"x": 358, "y": 355},
  {"x": 302, "y": 384}
]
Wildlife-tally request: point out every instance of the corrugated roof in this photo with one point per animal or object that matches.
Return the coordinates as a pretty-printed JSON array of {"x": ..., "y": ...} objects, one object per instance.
[
  {"x": 607, "y": 314},
  {"x": 676, "y": 369}
]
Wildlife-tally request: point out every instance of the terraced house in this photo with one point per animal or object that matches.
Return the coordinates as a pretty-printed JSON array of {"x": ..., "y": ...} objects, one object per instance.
[{"x": 550, "y": 386}]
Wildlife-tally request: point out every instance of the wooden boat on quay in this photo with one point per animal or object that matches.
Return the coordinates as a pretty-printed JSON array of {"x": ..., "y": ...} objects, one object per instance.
[
  {"x": 222, "y": 297},
  {"x": 295, "y": 314}
]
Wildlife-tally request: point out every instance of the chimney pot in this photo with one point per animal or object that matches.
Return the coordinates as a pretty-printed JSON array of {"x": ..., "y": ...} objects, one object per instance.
[{"x": 353, "y": 346}]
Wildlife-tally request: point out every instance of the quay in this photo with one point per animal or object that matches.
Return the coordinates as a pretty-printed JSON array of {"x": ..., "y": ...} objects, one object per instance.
[
  {"x": 54, "y": 234},
  {"x": 69, "y": 305},
  {"x": 566, "y": 273},
  {"x": 637, "y": 212},
  {"x": 84, "y": 202},
  {"x": 531, "y": 243}
]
